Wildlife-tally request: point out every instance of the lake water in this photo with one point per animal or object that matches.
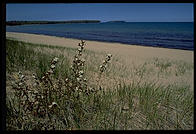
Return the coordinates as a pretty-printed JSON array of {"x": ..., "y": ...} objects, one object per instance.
[{"x": 178, "y": 35}]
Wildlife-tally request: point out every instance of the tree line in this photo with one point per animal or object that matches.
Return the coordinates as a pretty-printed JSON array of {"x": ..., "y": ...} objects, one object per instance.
[{"x": 11, "y": 23}]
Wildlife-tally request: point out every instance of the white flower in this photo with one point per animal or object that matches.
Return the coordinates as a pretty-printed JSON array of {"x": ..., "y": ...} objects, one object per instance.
[
  {"x": 19, "y": 72},
  {"x": 35, "y": 84},
  {"x": 22, "y": 76},
  {"x": 50, "y": 71},
  {"x": 33, "y": 76},
  {"x": 36, "y": 92},
  {"x": 36, "y": 103},
  {"x": 55, "y": 59},
  {"x": 125, "y": 108},
  {"x": 109, "y": 55},
  {"x": 78, "y": 79},
  {"x": 66, "y": 79},
  {"x": 20, "y": 84},
  {"x": 76, "y": 59},
  {"x": 52, "y": 66},
  {"x": 79, "y": 49},
  {"x": 83, "y": 60},
  {"x": 80, "y": 53},
  {"x": 81, "y": 72},
  {"x": 53, "y": 104}
]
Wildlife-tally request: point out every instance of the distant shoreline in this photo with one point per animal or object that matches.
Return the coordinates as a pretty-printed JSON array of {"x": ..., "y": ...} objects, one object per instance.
[{"x": 14, "y": 23}]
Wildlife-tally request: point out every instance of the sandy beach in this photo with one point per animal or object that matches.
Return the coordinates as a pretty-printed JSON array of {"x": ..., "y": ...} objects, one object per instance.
[
  {"x": 131, "y": 56},
  {"x": 129, "y": 51}
]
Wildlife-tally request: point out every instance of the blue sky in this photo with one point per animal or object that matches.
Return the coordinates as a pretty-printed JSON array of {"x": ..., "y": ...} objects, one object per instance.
[{"x": 131, "y": 12}]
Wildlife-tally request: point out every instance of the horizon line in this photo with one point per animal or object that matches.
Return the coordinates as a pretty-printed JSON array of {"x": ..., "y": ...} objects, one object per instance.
[{"x": 97, "y": 20}]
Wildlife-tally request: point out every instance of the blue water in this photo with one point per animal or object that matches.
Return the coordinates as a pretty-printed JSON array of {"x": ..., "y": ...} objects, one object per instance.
[{"x": 178, "y": 35}]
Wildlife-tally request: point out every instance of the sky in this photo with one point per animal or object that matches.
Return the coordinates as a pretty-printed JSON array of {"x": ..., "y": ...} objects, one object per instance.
[{"x": 130, "y": 12}]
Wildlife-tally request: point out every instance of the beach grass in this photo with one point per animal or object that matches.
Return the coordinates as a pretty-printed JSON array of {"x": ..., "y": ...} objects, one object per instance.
[{"x": 149, "y": 95}]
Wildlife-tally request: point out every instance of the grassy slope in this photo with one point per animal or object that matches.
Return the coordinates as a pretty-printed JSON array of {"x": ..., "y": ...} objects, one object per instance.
[{"x": 134, "y": 97}]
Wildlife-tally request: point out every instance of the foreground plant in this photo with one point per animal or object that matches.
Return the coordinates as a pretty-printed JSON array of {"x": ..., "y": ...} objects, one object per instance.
[
  {"x": 103, "y": 67},
  {"x": 48, "y": 96}
]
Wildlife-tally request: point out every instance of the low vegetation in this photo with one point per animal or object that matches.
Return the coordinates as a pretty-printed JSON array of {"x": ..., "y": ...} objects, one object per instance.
[{"x": 59, "y": 88}]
